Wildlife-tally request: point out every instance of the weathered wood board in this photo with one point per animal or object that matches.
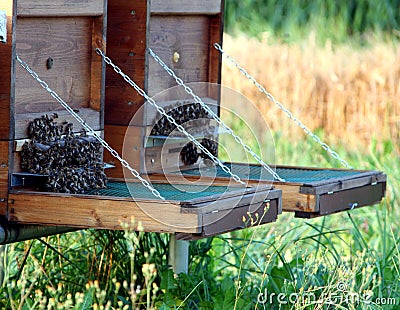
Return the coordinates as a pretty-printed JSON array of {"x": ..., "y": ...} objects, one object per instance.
[
  {"x": 126, "y": 45},
  {"x": 97, "y": 212},
  {"x": 56, "y": 8},
  {"x": 128, "y": 142},
  {"x": 177, "y": 7},
  {"x": 196, "y": 217},
  {"x": 7, "y": 78},
  {"x": 188, "y": 37},
  {"x": 181, "y": 33},
  {"x": 4, "y": 185},
  {"x": 40, "y": 39},
  {"x": 57, "y": 39}
]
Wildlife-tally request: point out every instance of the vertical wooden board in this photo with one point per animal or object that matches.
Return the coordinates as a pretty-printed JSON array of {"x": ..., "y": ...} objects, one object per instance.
[
  {"x": 122, "y": 101},
  {"x": 128, "y": 143},
  {"x": 187, "y": 36},
  {"x": 216, "y": 33},
  {"x": 126, "y": 46},
  {"x": 7, "y": 78},
  {"x": 97, "y": 75},
  {"x": 4, "y": 149},
  {"x": 67, "y": 41}
]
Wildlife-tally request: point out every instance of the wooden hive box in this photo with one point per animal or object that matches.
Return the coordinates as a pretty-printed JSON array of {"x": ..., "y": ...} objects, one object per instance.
[
  {"x": 56, "y": 39},
  {"x": 181, "y": 33}
]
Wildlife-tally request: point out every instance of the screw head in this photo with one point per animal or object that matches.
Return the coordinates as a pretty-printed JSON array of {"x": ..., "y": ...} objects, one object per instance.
[{"x": 176, "y": 57}]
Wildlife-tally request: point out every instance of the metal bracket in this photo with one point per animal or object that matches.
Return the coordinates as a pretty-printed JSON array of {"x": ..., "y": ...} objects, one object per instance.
[{"x": 3, "y": 27}]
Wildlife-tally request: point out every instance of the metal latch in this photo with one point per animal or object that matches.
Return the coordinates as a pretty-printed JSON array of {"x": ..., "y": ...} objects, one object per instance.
[{"x": 3, "y": 26}]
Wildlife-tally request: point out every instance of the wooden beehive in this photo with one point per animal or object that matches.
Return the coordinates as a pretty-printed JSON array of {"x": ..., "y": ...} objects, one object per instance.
[
  {"x": 57, "y": 39},
  {"x": 182, "y": 34}
]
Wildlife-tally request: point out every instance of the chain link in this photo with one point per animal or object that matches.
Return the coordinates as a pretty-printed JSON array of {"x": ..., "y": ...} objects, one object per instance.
[
  {"x": 220, "y": 122},
  {"x": 289, "y": 114},
  {"x": 168, "y": 117},
  {"x": 113, "y": 152}
]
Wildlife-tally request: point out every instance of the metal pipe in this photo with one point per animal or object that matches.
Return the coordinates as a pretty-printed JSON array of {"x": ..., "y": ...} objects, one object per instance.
[
  {"x": 13, "y": 233},
  {"x": 178, "y": 256}
]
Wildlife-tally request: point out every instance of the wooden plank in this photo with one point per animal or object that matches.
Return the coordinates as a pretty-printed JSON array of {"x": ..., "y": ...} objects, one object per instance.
[
  {"x": 128, "y": 142},
  {"x": 345, "y": 183},
  {"x": 292, "y": 200},
  {"x": 100, "y": 213},
  {"x": 126, "y": 45},
  {"x": 90, "y": 116},
  {"x": 216, "y": 34},
  {"x": 60, "y": 8},
  {"x": 7, "y": 78},
  {"x": 189, "y": 37},
  {"x": 4, "y": 151},
  {"x": 68, "y": 42},
  {"x": 239, "y": 218},
  {"x": 97, "y": 73},
  {"x": 231, "y": 199},
  {"x": 185, "y": 7},
  {"x": 367, "y": 195}
]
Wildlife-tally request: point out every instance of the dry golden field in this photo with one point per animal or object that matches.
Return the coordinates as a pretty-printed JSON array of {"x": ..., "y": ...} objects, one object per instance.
[{"x": 353, "y": 94}]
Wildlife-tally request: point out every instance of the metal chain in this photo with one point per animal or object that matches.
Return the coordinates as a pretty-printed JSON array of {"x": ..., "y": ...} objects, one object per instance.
[
  {"x": 168, "y": 117},
  {"x": 113, "y": 152},
  {"x": 288, "y": 113},
  {"x": 238, "y": 140}
]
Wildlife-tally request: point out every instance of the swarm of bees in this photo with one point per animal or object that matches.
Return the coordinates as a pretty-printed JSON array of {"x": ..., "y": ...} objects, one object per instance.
[
  {"x": 190, "y": 153},
  {"x": 182, "y": 113},
  {"x": 72, "y": 162}
]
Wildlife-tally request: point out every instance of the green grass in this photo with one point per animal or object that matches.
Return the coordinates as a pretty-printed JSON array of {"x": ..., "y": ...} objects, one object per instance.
[
  {"x": 358, "y": 249},
  {"x": 338, "y": 21}
]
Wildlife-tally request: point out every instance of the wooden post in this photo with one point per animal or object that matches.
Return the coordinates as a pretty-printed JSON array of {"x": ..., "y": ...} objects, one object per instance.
[{"x": 178, "y": 256}]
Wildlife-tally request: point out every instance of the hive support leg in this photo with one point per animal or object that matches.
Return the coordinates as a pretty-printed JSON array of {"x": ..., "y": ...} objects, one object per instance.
[
  {"x": 2, "y": 264},
  {"x": 178, "y": 256}
]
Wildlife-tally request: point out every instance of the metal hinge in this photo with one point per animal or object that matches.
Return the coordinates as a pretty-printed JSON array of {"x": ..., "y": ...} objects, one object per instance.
[{"x": 3, "y": 27}]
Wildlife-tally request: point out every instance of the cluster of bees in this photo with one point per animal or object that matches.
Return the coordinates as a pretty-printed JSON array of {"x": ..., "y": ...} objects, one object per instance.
[
  {"x": 190, "y": 153},
  {"x": 183, "y": 113},
  {"x": 72, "y": 162},
  {"x": 196, "y": 120}
]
